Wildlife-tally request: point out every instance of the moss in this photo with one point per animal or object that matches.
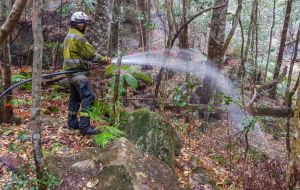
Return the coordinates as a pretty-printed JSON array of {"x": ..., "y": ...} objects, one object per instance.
[
  {"x": 152, "y": 134},
  {"x": 115, "y": 178}
]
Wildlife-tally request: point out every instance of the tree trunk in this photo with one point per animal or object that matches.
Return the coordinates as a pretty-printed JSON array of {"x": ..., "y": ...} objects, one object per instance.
[
  {"x": 270, "y": 40},
  {"x": 247, "y": 46},
  {"x": 184, "y": 35},
  {"x": 293, "y": 171},
  {"x": 100, "y": 35},
  {"x": 234, "y": 25},
  {"x": 113, "y": 46},
  {"x": 292, "y": 67},
  {"x": 7, "y": 110},
  {"x": 8, "y": 113},
  {"x": 12, "y": 20},
  {"x": 102, "y": 25},
  {"x": 282, "y": 44},
  {"x": 36, "y": 88},
  {"x": 118, "y": 74},
  {"x": 215, "y": 47},
  {"x": 144, "y": 7}
]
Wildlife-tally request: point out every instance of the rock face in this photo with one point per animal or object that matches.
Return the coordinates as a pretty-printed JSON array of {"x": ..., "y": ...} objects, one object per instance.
[
  {"x": 150, "y": 132},
  {"x": 119, "y": 166}
]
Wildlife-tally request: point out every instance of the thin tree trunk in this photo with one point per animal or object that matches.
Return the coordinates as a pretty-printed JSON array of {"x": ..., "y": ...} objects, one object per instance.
[
  {"x": 113, "y": 46},
  {"x": 282, "y": 44},
  {"x": 8, "y": 113},
  {"x": 185, "y": 31},
  {"x": 292, "y": 66},
  {"x": 36, "y": 88},
  {"x": 234, "y": 25},
  {"x": 292, "y": 174},
  {"x": 242, "y": 71},
  {"x": 256, "y": 45},
  {"x": 270, "y": 40},
  {"x": 245, "y": 57},
  {"x": 118, "y": 74},
  {"x": 170, "y": 21}
]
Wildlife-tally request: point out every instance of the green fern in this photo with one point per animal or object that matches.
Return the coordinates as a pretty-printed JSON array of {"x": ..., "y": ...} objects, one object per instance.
[
  {"x": 20, "y": 102},
  {"x": 99, "y": 110},
  {"x": 143, "y": 76},
  {"x": 109, "y": 134},
  {"x": 19, "y": 77},
  {"x": 128, "y": 78},
  {"x": 131, "y": 81}
]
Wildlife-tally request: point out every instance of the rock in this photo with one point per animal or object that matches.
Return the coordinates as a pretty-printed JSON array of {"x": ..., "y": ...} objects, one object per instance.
[
  {"x": 11, "y": 162},
  {"x": 201, "y": 179},
  {"x": 151, "y": 133},
  {"x": 84, "y": 166},
  {"x": 121, "y": 165}
]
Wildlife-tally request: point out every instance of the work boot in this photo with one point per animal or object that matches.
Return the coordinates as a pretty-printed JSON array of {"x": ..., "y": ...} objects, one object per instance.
[
  {"x": 85, "y": 127},
  {"x": 89, "y": 131},
  {"x": 73, "y": 122}
]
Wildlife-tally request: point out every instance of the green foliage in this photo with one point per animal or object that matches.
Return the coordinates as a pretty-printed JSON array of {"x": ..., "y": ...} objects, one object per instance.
[
  {"x": 23, "y": 136},
  {"x": 227, "y": 100},
  {"x": 20, "y": 102},
  {"x": 57, "y": 87},
  {"x": 99, "y": 110},
  {"x": 21, "y": 180},
  {"x": 277, "y": 133},
  {"x": 249, "y": 123},
  {"x": 150, "y": 26},
  {"x": 89, "y": 6},
  {"x": 210, "y": 109},
  {"x": 20, "y": 77},
  {"x": 67, "y": 8},
  {"x": 110, "y": 133},
  {"x": 135, "y": 71},
  {"x": 54, "y": 95},
  {"x": 26, "y": 86},
  {"x": 12, "y": 147},
  {"x": 255, "y": 155},
  {"x": 50, "y": 44},
  {"x": 128, "y": 78},
  {"x": 182, "y": 93},
  {"x": 218, "y": 159}
]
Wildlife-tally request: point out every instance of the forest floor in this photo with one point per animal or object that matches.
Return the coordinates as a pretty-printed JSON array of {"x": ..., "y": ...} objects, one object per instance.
[{"x": 219, "y": 149}]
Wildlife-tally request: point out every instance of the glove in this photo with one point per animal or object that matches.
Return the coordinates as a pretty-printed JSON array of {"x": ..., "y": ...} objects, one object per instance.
[{"x": 106, "y": 60}]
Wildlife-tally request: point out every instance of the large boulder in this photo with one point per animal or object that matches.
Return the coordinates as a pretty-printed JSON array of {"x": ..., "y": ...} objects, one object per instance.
[
  {"x": 152, "y": 134},
  {"x": 119, "y": 166}
]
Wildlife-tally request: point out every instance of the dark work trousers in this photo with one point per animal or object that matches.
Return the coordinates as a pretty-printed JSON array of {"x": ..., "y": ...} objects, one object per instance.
[{"x": 81, "y": 93}]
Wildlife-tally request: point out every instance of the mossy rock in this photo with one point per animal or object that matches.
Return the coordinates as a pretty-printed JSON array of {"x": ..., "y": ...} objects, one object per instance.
[
  {"x": 152, "y": 134},
  {"x": 120, "y": 166}
]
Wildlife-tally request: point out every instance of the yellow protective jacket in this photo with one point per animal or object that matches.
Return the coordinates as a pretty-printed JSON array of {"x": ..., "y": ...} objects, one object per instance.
[{"x": 78, "y": 52}]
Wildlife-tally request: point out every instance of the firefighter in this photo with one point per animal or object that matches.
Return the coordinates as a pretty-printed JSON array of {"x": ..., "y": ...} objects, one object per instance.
[{"x": 79, "y": 54}]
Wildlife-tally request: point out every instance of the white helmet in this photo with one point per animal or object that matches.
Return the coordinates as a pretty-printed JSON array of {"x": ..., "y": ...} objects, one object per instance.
[{"x": 80, "y": 17}]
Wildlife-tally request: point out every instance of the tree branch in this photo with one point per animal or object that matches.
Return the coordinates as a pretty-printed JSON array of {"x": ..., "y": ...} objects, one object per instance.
[
  {"x": 234, "y": 25},
  {"x": 188, "y": 22}
]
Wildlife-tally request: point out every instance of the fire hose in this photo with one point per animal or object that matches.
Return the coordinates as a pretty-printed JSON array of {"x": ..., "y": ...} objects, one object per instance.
[{"x": 45, "y": 76}]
